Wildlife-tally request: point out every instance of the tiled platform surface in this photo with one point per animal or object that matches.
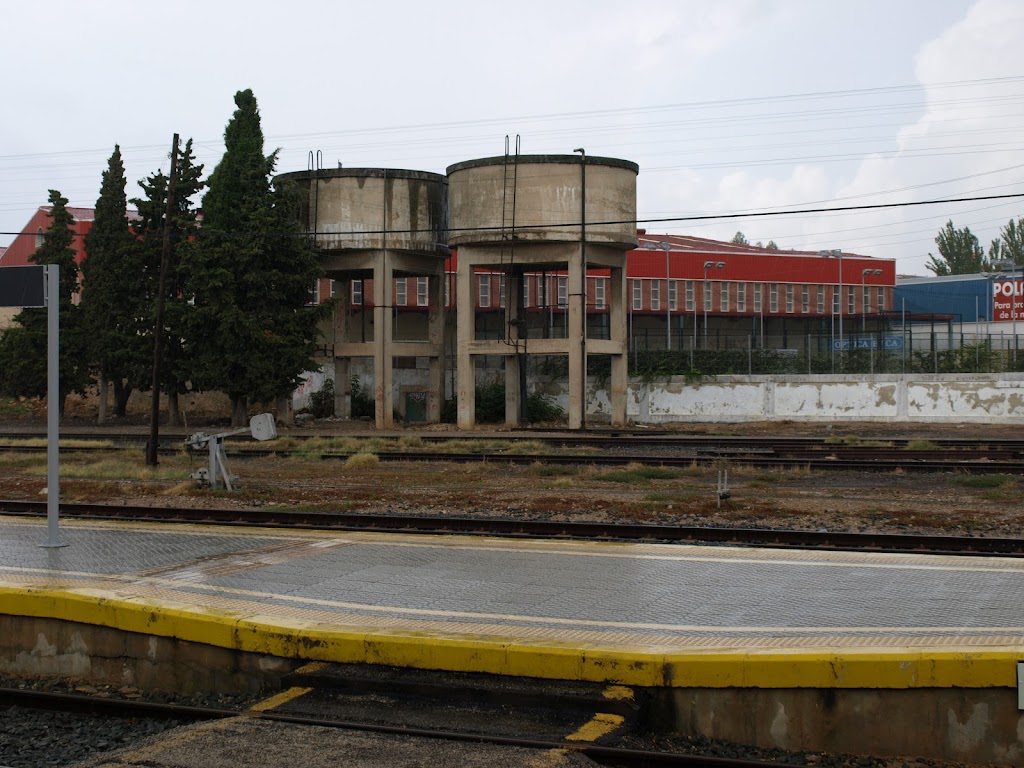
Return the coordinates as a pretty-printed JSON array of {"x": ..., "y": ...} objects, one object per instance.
[{"x": 640, "y": 614}]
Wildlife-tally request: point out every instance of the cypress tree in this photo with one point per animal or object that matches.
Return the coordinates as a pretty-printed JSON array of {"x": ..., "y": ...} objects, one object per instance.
[
  {"x": 152, "y": 207},
  {"x": 23, "y": 349},
  {"x": 111, "y": 301},
  {"x": 251, "y": 332}
]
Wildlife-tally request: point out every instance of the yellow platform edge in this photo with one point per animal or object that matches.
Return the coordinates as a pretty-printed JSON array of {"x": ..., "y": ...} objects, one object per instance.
[{"x": 791, "y": 668}]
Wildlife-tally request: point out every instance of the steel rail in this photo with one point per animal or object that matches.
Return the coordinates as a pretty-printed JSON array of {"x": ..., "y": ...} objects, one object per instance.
[
  {"x": 79, "y": 703},
  {"x": 762, "y": 537}
]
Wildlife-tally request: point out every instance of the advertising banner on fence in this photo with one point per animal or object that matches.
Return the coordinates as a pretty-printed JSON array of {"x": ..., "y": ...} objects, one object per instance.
[{"x": 1006, "y": 300}]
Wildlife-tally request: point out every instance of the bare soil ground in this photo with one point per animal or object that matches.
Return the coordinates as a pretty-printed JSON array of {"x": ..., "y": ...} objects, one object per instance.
[{"x": 954, "y": 503}]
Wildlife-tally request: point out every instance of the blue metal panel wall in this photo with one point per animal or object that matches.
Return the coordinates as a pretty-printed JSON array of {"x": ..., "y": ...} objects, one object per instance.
[{"x": 968, "y": 300}]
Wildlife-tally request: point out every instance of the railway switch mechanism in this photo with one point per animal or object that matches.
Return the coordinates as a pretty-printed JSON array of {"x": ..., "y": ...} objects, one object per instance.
[{"x": 216, "y": 476}]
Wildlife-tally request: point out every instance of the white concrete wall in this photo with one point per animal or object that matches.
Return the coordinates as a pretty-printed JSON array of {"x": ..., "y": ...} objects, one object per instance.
[
  {"x": 941, "y": 398},
  {"x": 925, "y": 398}
]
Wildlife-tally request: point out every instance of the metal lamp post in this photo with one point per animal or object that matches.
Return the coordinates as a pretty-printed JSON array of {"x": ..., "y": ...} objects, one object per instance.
[
  {"x": 838, "y": 255},
  {"x": 864, "y": 309},
  {"x": 708, "y": 265},
  {"x": 667, "y": 248}
]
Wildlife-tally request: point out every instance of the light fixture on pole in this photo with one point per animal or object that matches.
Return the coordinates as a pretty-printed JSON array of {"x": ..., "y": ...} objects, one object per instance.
[
  {"x": 667, "y": 248},
  {"x": 864, "y": 309},
  {"x": 708, "y": 265},
  {"x": 837, "y": 254}
]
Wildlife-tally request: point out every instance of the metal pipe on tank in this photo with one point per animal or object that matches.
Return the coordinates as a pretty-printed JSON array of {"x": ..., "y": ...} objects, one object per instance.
[{"x": 583, "y": 288}]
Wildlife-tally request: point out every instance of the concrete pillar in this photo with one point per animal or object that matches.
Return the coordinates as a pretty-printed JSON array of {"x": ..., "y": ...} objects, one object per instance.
[
  {"x": 465, "y": 298},
  {"x": 383, "y": 330},
  {"x": 435, "y": 337},
  {"x": 513, "y": 390},
  {"x": 618, "y": 330},
  {"x": 342, "y": 367},
  {"x": 577, "y": 340}
]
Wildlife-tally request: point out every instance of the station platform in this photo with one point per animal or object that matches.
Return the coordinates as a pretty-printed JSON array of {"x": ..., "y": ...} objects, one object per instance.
[{"x": 635, "y": 614}]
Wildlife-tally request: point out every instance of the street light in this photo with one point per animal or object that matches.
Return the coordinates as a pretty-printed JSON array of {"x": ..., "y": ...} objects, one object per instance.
[
  {"x": 667, "y": 248},
  {"x": 837, "y": 254},
  {"x": 708, "y": 265},
  {"x": 864, "y": 309}
]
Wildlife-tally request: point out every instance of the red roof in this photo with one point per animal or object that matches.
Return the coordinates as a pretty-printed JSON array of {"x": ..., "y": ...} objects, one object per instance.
[{"x": 87, "y": 214}]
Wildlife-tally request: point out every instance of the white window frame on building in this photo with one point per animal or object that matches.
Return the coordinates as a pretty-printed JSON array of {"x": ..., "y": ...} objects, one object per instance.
[
  {"x": 333, "y": 288},
  {"x": 708, "y": 295},
  {"x": 851, "y": 306},
  {"x": 599, "y": 292},
  {"x": 563, "y": 291},
  {"x": 401, "y": 292},
  {"x": 758, "y": 298},
  {"x": 723, "y": 298},
  {"x": 484, "y": 291},
  {"x": 773, "y": 298},
  {"x": 881, "y": 300},
  {"x": 790, "y": 299},
  {"x": 741, "y": 297},
  {"x": 501, "y": 290},
  {"x": 836, "y": 300},
  {"x": 638, "y": 295},
  {"x": 866, "y": 299},
  {"x": 527, "y": 279},
  {"x": 673, "y": 295},
  {"x": 422, "y": 295},
  {"x": 805, "y": 300},
  {"x": 691, "y": 305},
  {"x": 655, "y": 295},
  {"x": 357, "y": 292},
  {"x": 314, "y": 295},
  {"x": 820, "y": 299}
]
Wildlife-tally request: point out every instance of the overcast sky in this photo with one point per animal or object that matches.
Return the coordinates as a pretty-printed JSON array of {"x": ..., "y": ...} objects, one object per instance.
[{"x": 728, "y": 106}]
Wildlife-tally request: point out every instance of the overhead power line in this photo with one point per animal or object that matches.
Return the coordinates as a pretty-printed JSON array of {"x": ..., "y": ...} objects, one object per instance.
[{"x": 667, "y": 219}]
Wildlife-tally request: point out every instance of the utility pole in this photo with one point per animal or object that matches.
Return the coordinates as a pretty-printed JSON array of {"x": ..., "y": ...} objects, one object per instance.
[{"x": 158, "y": 331}]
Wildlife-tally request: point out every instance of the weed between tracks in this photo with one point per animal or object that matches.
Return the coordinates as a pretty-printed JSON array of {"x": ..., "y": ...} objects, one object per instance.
[{"x": 797, "y": 498}]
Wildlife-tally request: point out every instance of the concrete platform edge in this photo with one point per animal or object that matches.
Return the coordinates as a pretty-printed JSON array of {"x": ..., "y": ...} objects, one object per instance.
[{"x": 907, "y": 668}]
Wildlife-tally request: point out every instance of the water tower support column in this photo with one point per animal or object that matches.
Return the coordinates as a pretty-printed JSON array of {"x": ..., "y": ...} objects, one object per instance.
[
  {"x": 342, "y": 365},
  {"x": 620, "y": 356},
  {"x": 513, "y": 392},
  {"x": 577, "y": 343},
  {"x": 465, "y": 311},
  {"x": 383, "y": 331},
  {"x": 435, "y": 337}
]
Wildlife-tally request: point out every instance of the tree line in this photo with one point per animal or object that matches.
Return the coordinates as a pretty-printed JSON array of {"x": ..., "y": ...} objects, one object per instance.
[
  {"x": 960, "y": 253},
  {"x": 237, "y": 317}
]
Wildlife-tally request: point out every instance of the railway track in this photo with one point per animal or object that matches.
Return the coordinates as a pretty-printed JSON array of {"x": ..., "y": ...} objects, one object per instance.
[
  {"x": 137, "y": 709},
  {"x": 732, "y": 536},
  {"x": 981, "y": 457}
]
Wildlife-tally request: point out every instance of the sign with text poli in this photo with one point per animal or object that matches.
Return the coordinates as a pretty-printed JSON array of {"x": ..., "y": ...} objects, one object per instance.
[
  {"x": 1007, "y": 301},
  {"x": 23, "y": 286}
]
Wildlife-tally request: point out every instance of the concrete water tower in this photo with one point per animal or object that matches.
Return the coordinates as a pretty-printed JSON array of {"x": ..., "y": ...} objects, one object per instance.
[
  {"x": 379, "y": 225},
  {"x": 527, "y": 217}
]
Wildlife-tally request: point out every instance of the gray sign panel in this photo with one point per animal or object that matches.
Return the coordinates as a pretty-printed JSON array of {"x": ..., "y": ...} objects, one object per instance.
[{"x": 22, "y": 286}]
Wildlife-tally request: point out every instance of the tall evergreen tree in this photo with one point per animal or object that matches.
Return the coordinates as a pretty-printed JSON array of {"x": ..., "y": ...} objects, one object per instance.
[
  {"x": 251, "y": 332},
  {"x": 23, "y": 350},
  {"x": 739, "y": 238},
  {"x": 959, "y": 252},
  {"x": 152, "y": 208},
  {"x": 110, "y": 296},
  {"x": 1009, "y": 246}
]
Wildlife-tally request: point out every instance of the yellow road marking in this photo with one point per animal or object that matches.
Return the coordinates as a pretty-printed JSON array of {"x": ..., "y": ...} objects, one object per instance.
[
  {"x": 618, "y": 693},
  {"x": 600, "y": 725},
  {"x": 278, "y": 699}
]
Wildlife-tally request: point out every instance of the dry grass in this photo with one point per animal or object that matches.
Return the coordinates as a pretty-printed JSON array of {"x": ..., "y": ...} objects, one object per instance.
[{"x": 362, "y": 461}]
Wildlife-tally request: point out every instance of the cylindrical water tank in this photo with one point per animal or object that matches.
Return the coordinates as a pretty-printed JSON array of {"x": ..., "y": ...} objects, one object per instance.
[
  {"x": 374, "y": 208},
  {"x": 548, "y": 205}
]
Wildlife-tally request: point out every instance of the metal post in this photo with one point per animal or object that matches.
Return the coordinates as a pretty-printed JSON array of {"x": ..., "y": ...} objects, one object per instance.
[
  {"x": 704, "y": 297},
  {"x": 53, "y": 397},
  {"x": 583, "y": 288},
  {"x": 158, "y": 330}
]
